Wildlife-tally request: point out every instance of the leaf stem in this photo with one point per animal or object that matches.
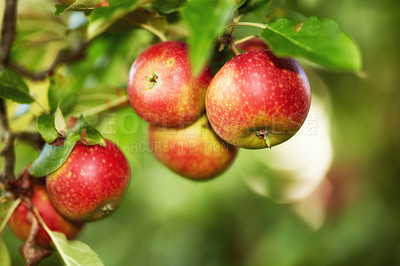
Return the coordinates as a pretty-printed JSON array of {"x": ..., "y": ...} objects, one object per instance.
[
  {"x": 251, "y": 24},
  {"x": 153, "y": 30},
  {"x": 107, "y": 106},
  {"x": 244, "y": 39}
]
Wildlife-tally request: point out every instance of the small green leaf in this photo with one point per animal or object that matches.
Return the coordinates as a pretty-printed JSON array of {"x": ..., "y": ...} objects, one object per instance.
[
  {"x": 52, "y": 157},
  {"x": 206, "y": 21},
  {"x": 255, "y": 7},
  {"x": 60, "y": 124},
  {"x": 78, "y": 5},
  {"x": 168, "y": 6},
  {"x": 73, "y": 253},
  {"x": 318, "y": 40},
  {"x": 46, "y": 127},
  {"x": 60, "y": 9},
  {"x": 5, "y": 259},
  {"x": 7, "y": 208},
  {"x": 13, "y": 87},
  {"x": 103, "y": 17},
  {"x": 92, "y": 136}
]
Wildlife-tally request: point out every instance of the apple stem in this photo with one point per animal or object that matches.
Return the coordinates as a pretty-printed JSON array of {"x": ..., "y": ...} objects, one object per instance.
[
  {"x": 151, "y": 80},
  {"x": 267, "y": 140}
]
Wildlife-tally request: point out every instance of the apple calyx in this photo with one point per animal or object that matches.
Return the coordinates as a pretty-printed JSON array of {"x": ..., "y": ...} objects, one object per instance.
[
  {"x": 264, "y": 134},
  {"x": 151, "y": 80}
]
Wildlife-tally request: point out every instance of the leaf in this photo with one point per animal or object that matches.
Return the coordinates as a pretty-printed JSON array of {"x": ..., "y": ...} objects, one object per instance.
[
  {"x": 103, "y": 17},
  {"x": 72, "y": 252},
  {"x": 13, "y": 87},
  {"x": 7, "y": 208},
  {"x": 78, "y": 5},
  {"x": 92, "y": 136},
  {"x": 52, "y": 157},
  {"x": 168, "y": 6},
  {"x": 206, "y": 21},
  {"x": 60, "y": 124},
  {"x": 142, "y": 16},
  {"x": 255, "y": 7},
  {"x": 46, "y": 127},
  {"x": 5, "y": 259},
  {"x": 318, "y": 40}
]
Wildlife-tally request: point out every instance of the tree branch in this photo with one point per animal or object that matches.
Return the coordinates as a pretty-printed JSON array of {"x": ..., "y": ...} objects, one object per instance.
[
  {"x": 63, "y": 57},
  {"x": 8, "y": 31},
  {"x": 7, "y": 173},
  {"x": 7, "y": 39}
]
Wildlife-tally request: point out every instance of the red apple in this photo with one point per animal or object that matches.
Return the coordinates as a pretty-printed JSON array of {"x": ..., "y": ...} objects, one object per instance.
[
  {"x": 257, "y": 100},
  {"x": 161, "y": 87},
  {"x": 91, "y": 183},
  {"x": 252, "y": 44},
  {"x": 195, "y": 152},
  {"x": 21, "y": 226}
]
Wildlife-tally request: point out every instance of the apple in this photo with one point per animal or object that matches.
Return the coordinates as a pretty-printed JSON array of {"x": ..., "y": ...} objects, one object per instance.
[
  {"x": 20, "y": 224},
  {"x": 194, "y": 152},
  {"x": 162, "y": 89},
  {"x": 257, "y": 100},
  {"x": 91, "y": 183},
  {"x": 252, "y": 44}
]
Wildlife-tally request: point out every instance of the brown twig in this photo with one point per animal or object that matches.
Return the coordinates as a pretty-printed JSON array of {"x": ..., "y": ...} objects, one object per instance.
[
  {"x": 7, "y": 173},
  {"x": 8, "y": 31},
  {"x": 63, "y": 57},
  {"x": 29, "y": 250},
  {"x": 7, "y": 39},
  {"x": 33, "y": 138}
]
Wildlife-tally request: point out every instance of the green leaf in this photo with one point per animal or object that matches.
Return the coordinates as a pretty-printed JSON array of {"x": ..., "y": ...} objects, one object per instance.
[
  {"x": 318, "y": 40},
  {"x": 92, "y": 136},
  {"x": 103, "y": 17},
  {"x": 59, "y": 123},
  {"x": 206, "y": 21},
  {"x": 7, "y": 208},
  {"x": 13, "y": 87},
  {"x": 60, "y": 9},
  {"x": 78, "y": 5},
  {"x": 5, "y": 259},
  {"x": 52, "y": 157},
  {"x": 73, "y": 253},
  {"x": 46, "y": 127},
  {"x": 168, "y": 6},
  {"x": 255, "y": 7}
]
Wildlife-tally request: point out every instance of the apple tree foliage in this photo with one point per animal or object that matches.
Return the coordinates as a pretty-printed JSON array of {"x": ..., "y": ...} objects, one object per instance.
[{"x": 95, "y": 46}]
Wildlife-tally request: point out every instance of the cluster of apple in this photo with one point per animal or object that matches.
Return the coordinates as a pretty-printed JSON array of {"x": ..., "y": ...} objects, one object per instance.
[
  {"x": 256, "y": 100},
  {"x": 88, "y": 186}
]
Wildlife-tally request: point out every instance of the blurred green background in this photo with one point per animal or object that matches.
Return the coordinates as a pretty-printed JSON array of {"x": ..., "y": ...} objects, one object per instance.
[{"x": 334, "y": 200}]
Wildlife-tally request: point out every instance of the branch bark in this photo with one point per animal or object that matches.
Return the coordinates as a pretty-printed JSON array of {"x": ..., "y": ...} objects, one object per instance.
[
  {"x": 7, "y": 39},
  {"x": 8, "y": 31},
  {"x": 63, "y": 57}
]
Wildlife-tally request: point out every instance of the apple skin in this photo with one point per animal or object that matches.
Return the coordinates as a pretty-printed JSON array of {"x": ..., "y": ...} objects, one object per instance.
[
  {"x": 161, "y": 87},
  {"x": 194, "y": 152},
  {"x": 20, "y": 225},
  {"x": 91, "y": 183},
  {"x": 257, "y": 100},
  {"x": 252, "y": 44}
]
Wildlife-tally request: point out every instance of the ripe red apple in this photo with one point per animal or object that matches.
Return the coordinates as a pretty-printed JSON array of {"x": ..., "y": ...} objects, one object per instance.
[
  {"x": 20, "y": 224},
  {"x": 252, "y": 44},
  {"x": 257, "y": 100},
  {"x": 161, "y": 87},
  {"x": 195, "y": 152},
  {"x": 91, "y": 183}
]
